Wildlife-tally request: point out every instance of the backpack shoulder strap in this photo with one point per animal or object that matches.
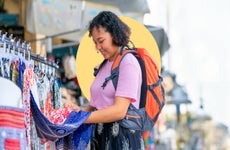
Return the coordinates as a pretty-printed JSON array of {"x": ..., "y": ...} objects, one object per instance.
[
  {"x": 118, "y": 59},
  {"x": 116, "y": 65},
  {"x": 115, "y": 68},
  {"x": 96, "y": 69}
]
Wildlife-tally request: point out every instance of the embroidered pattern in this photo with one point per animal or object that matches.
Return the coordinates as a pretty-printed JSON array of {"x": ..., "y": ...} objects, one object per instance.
[
  {"x": 132, "y": 131},
  {"x": 116, "y": 137},
  {"x": 115, "y": 129},
  {"x": 106, "y": 144},
  {"x": 142, "y": 143},
  {"x": 100, "y": 128},
  {"x": 125, "y": 144}
]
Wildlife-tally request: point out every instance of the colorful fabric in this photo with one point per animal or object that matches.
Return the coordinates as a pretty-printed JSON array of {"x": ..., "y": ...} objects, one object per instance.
[
  {"x": 12, "y": 144},
  {"x": 21, "y": 69},
  {"x": 43, "y": 87},
  {"x": 12, "y": 128},
  {"x": 27, "y": 76},
  {"x": 48, "y": 104},
  {"x": 57, "y": 93},
  {"x": 14, "y": 72},
  {"x": 5, "y": 68},
  {"x": 71, "y": 135},
  {"x": 11, "y": 117},
  {"x": 59, "y": 115},
  {"x": 112, "y": 136}
]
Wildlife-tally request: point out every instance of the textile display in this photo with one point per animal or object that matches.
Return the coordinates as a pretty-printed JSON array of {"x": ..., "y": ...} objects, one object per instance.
[
  {"x": 71, "y": 135},
  {"x": 21, "y": 70}
]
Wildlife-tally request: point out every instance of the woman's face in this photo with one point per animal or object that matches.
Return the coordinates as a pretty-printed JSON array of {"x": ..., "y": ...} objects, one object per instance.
[{"x": 104, "y": 43}]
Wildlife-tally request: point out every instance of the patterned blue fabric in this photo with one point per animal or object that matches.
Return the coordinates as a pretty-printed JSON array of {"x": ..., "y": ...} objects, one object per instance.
[
  {"x": 71, "y": 135},
  {"x": 21, "y": 69}
]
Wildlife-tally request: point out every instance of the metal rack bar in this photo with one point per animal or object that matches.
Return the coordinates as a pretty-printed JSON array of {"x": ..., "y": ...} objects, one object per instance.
[{"x": 23, "y": 47}]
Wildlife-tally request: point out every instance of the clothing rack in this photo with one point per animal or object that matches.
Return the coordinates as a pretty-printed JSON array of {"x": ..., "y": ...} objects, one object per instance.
[{"x": 24, "y": 48}]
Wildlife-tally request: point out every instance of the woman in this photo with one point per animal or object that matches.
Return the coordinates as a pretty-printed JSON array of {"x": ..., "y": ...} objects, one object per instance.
[{"x": 109, "y": 106}]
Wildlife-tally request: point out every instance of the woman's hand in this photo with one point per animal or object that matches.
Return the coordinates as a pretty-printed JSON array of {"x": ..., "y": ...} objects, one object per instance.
[{"x": 72, "y": 106}]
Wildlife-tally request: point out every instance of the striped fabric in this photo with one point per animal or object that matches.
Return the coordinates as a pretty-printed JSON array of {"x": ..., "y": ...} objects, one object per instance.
[
  {"x": 12, "y": 128},
  {"x": 11, "y": 117}
]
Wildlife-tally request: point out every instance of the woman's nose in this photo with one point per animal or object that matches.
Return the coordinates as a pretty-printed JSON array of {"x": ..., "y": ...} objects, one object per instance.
[{"x": 98, "y": 46}]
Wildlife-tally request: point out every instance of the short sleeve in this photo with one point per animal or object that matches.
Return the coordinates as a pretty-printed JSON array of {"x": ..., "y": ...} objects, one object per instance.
[{"x": 130, "y": 79}]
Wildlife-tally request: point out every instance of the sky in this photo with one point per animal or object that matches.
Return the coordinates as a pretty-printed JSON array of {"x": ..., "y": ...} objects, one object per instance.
[{"x": 199, "y": 34}]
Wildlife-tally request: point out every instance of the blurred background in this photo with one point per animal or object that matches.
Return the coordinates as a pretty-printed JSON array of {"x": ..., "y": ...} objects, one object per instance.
[{"x": 193, "y": 39}]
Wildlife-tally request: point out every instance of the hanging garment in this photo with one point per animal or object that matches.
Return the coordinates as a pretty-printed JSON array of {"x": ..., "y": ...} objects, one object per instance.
[
  {"x": 16, "y": 65},
  {"x": 71, "y": 135},
  {"x": 26, "y": 78}
]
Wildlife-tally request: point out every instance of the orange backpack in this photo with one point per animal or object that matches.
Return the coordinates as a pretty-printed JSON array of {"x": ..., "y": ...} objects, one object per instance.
[{"x": 152, "y": 92}]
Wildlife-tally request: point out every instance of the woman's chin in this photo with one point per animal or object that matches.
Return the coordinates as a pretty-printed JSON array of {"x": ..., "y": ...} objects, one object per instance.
[{"x": 105, "y": 56}]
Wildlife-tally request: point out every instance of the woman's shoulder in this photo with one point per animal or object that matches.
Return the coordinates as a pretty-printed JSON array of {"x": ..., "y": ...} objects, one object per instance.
[{"x": 129, "y": 59}]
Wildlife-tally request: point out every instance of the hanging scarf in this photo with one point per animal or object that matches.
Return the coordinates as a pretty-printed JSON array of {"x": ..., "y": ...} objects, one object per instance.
[{"x": 72, "y": 134}]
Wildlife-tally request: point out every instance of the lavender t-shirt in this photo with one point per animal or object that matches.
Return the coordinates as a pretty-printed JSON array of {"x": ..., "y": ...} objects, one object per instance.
[{"x": 129, "y": 84}]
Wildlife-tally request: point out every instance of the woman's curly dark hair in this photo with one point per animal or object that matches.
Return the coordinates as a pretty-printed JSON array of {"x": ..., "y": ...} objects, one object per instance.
[{"x": 118, "y": 29}]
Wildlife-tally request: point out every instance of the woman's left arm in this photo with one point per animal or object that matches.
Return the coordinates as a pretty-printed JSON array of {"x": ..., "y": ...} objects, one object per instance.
[{"x": 112, "y": 113}]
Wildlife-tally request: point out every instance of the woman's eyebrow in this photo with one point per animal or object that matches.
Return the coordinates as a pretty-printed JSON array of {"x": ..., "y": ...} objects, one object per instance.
[{"x": 97, "y": 39}]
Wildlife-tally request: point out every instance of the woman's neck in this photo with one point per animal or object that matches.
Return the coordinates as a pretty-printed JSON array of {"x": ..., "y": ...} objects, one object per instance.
[{"x": 114, "y": 55}]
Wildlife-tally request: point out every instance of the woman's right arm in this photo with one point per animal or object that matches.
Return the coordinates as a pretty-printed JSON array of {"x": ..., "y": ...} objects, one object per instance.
[{"x": 86, "y": 109}]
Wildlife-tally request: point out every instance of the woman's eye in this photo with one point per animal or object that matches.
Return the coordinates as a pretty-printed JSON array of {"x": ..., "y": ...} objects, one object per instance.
[{"x": 100, "y": 41}]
